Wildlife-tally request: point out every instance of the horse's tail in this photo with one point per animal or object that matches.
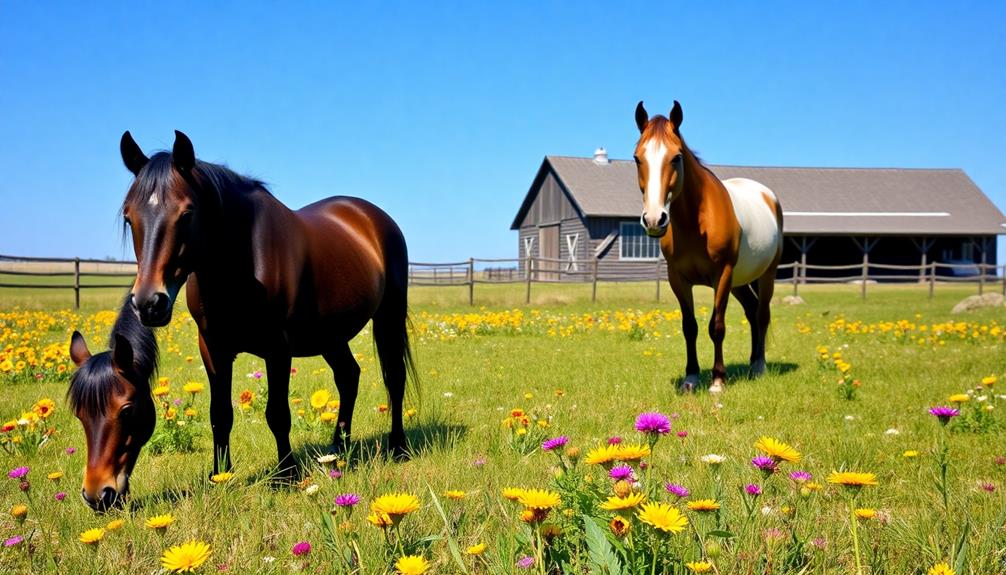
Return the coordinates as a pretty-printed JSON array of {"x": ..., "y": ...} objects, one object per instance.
[{"x": 392, "y": 323}]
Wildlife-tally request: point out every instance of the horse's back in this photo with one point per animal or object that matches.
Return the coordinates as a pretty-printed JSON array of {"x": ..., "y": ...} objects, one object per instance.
[{"x": 756, "y": 207}]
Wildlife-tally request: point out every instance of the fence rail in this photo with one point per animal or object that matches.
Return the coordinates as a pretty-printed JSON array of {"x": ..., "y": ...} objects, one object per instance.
[{"x": 534, "y": 270}]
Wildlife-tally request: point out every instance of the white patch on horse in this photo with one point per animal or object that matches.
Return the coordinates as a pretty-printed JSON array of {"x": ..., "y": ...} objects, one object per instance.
[
  {"x": 760, "y": 236},
  {"x": 153, "y": 201},
  {"x": 655, "y": 152}
]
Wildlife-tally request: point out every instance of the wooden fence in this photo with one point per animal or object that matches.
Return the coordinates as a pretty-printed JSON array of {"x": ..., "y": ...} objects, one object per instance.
[{"x": 529, "y": 271}]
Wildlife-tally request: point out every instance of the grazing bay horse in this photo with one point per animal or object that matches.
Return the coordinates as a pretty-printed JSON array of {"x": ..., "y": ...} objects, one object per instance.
[
  {"x": 723, "y": 234},
  {"x": 263, "y": 279},
  {"x": 110, "y": 394}
]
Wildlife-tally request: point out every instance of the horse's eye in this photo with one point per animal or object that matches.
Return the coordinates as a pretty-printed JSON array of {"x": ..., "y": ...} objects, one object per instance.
[
  {"x": 185, "y": 217},
  {"x": 126, "y": 414}
]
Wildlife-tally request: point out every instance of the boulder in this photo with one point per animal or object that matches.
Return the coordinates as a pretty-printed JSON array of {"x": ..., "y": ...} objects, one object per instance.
[
  {"x": 979, "y": 301},
  {"x": 792, "y": 300}
]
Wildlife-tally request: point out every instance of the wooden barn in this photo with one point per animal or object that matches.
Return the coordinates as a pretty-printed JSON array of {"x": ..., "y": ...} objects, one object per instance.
[{"x": 578, "y": 209}]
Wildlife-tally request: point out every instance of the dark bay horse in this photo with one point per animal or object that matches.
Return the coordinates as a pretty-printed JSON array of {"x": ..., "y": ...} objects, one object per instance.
[
  {"x": 110, "y": 394},
  {"x": 723, "y": 234},
  {"x": 263, "y": 279}
]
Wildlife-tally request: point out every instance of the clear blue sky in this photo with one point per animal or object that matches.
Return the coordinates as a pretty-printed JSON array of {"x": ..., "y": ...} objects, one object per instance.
[{"x": 441, "y": 112}]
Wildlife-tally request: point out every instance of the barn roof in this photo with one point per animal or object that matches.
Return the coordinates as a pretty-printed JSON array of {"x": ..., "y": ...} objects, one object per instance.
[{"x": 878, "y": 201}]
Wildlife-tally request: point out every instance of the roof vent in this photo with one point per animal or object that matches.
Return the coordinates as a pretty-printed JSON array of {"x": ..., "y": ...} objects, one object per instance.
[{"x": 600, "y": 157}]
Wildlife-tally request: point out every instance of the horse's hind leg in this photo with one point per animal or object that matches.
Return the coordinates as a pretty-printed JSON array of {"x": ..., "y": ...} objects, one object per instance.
[
  {"x": 347, "y": 379},
  {"x": 749, "y": 301},
  {"x": 277, "y": 410},
  {"x": 391, "y": 339},
  {"x": 766, "y": 288}
]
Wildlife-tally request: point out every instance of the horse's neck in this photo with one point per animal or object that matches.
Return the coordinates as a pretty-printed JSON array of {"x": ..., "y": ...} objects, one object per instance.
[{"x": 694, "y": 195}]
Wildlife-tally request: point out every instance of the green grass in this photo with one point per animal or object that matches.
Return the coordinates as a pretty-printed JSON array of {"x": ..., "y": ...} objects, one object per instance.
[{"x": 471, "y": 382}]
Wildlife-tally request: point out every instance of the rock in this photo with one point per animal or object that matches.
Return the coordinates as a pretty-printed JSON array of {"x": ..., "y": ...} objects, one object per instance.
[
  {"x": 979, "y": 301},
  {"x": 792, "y": 300}
]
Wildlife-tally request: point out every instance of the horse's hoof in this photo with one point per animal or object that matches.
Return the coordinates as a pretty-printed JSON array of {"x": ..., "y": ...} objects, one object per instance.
[
  {"x": 717, "y": 386},
  {"x": 689, "y": 383},
  {"x": 757, "y": 369}
]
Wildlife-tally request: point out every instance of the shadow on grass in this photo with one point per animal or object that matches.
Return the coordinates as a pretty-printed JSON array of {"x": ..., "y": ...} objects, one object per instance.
[
  {"x": 738, "y": 373},
  {"x": 422, "y": 439},
  {"x": 171, "y": 496}
]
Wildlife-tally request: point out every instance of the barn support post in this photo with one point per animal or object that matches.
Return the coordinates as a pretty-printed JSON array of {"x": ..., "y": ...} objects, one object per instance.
[
  {"x": 804, "y": 246},
  {"x": 76, "y": 283},
  {"x": 865, "y": 246},
  {"x": 593, "y": 290},
  {"x": 981, "y": 268},
  {"x": 1004, "y": 279},
  {"x": 924, "y": 244},
  {"x": 527, "y": 273},
  {"x": 795, "y": 278},
  {"x": 471, "y": 281}
]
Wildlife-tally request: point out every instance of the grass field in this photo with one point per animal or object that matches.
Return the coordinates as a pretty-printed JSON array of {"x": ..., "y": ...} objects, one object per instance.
[{"x": 585, "y": 371}]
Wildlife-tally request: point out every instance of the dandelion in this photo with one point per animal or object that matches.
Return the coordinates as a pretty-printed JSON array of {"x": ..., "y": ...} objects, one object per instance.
[
  {"x": 539, "y": 499},
  {"x": 319, "y": 399},
  {"x": 378, "y": 519},
  {"x": 602, "y": 455},
  {"x": 186, "y": 557},
  {"x": 412, "y": 565},
  {"x": 301, "y": 548},
  {"x": 512, "y": 493},
  {"x": 631, "y": 451},
  {"x": 161, "y": 391},
  {"x": 653, "y": 423},
  {"x": 19, "y": 512},
  {"x": 777, "y": 450},
  {"x": 959, "y": 398},
  {"x": 115, "y": 525},
  {"x": 679, "y": 491},
  {"x": 617, "y": 503},
  {"x": 395, "y": 505},
  {"x": 703, "y": 505},
  {"x": 989, "y": 381},
  {"x": 699, "y": 566},
  {"x": 476, "y": 549},
  {"x": 193, "y": 387},
  {"x": 662, "y": 516},
  {"x": 852, "y": 479},
  {"x": 944, "y": 413},
  {"x": 555, "y": 443},
  {"x": 160, "y": 522},
  {"x": 941, "y": 569},
  {"x": 455, "y": 494},
  {"x": 92, "y": 536},
  {"x": 222, "y": 477},
  {"x": 865, "y": 513},
  {"x": 909, "y": 454}
]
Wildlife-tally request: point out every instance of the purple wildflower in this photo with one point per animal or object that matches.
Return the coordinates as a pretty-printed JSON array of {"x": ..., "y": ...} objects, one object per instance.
[
  {"x": 682, "y": 434},
  {"x": 71, "y": 450},
  {"x": 555, "y": 442},
  {"x": 620, "y": 472},
  {"x": 18, "y": 472},
  {"x": 60, "y": 496},
  {"x": 301, "y": 548},
  {"x": 335, "y": 474},
  {"x": 800, "y": 476},
  {"x": 752, "y": 490},
  {"x": 944, "y": 413},
  {"x": 820, "y": 543},
  {"x": 764, "y": 463},
  {"x": 177, "y": 402},
  {"x": 653, "y": 423},
  {"x": 347, "y": 500},
  {"x": 13, "y": 541},
  {"x": 987, "y": 486},
  {"x": 614, "y": 440},
  {"x": 525, "y": 562},
  {"x": 480, "y": 461},
  {"x": 1000, "y": 460},
  {"x": 257, "y": 374},
  {"x": 679, "y": 491}
]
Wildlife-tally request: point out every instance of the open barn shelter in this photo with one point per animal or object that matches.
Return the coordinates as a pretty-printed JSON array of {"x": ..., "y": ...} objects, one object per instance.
[{"x": 581, "y": 209}]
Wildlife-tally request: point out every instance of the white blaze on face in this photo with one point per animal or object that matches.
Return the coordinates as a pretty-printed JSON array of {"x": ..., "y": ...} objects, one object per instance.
[
  {"x": 654, "y": 152},
  {"x": 153, "y": 200}
]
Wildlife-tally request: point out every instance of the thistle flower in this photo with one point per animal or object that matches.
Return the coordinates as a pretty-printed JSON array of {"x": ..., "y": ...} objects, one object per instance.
[
  {"x": 944, "y": 413},
  {"x": 525, "y": 562},
  {"x": 800, "y": 476},
  {"x": 13, "y": 541},
  {"x": 621, "y": 472},
  {"x": 765, "y": 464},
  {"x": 301, "y": 548},
  {"x": 18, "y": 472},
  {"x": 653, "y": 423},
  {"x": 348, "y": 500},
  {"x": 555, "y": 443},
  {"x": 752, "y": 490},
  {"x": 679, "y": 491}
]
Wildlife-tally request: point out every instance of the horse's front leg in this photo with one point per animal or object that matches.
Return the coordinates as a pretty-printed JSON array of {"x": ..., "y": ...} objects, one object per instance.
[
  {"x": 277, "y": 410},
  {"x": 219, "y": 368},
  {"x": 718, "y": 328},
  {"x": 690, "y": 329}
]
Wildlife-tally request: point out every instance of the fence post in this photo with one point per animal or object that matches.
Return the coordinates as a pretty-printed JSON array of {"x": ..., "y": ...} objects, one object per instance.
[
  {"x": 658, "y": 280},
  {"x": 593, "y": 291},
  {"x": 866, "y": 268},
  {"x": 76, "y": 283},
  {"x": 981, "y": 274},
  {"x": 796, "y": 278},
  {"x": 471, "y": 281},
  {"x": 527, "y": 294},
  {"x": 1004, "y": 279},
  {"x": 932, "y": 279}
]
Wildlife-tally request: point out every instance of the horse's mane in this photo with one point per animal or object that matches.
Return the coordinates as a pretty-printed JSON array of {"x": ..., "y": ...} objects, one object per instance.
[
  {"x": 95, "y": 380},
  {"x": 660, "y": 123}
]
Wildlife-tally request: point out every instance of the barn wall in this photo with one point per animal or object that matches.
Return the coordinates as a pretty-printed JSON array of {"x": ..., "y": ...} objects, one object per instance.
[{"x": 551, "y": 206}]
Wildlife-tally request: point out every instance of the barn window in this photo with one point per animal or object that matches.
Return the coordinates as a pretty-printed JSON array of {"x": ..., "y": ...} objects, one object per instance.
[{"x": 635, "y": 244}]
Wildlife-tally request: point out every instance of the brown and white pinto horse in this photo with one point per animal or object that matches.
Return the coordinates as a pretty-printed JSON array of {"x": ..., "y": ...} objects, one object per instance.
[
  {"x": 267, "y": 280},
  {"x": 723, "y": 234}
]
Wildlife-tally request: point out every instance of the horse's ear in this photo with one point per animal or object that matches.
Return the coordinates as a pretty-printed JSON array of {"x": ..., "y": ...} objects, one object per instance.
[
  {"x": 78, "y": 349},
  {"x": 676, "y": 115},
  {"x": 642, "y": 118},
  {"x": 122, "y": 353},
  {"x": 132, "y": 155},
  {"x": 182, "y": 154}
]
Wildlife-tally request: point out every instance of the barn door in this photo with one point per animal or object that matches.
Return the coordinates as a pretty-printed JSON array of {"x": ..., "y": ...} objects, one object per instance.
[{"x": 548, "y": 246}]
